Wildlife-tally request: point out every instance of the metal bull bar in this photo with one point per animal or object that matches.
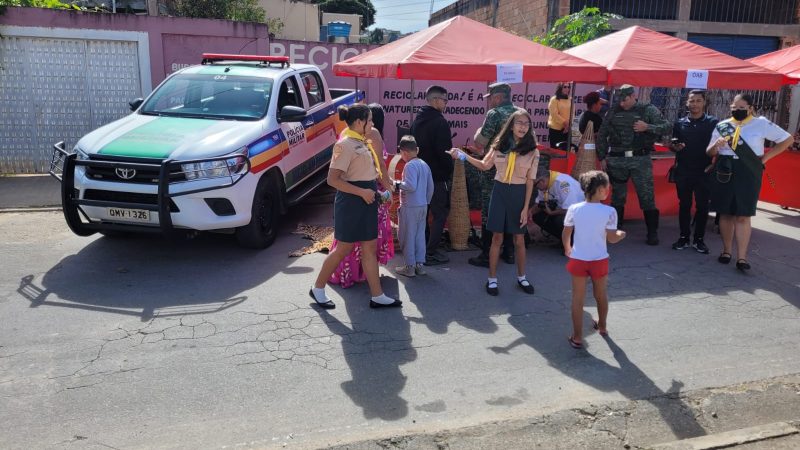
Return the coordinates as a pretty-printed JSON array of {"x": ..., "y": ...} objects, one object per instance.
[{"x": 62, "y": 168}]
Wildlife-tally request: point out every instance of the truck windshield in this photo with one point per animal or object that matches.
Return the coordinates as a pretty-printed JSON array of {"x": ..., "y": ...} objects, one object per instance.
[{"x": 211, "y": 96}]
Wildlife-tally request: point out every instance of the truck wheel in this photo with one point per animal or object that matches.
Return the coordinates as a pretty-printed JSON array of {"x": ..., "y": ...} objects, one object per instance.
[{"x": 263, "y": 226}]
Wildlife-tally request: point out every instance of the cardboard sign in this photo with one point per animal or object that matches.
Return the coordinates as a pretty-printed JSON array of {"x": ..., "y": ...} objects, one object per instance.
[{"x": 697, "y": 79}]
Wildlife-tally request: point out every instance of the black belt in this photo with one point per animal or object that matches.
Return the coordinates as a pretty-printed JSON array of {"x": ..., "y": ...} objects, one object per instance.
[{"x": 629, "y": 153}]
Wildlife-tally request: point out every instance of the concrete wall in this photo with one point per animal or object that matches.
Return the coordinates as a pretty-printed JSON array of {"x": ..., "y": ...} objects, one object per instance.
[
  {"x": 300, "y": 20},
  {"x": 174, "y": 42}
]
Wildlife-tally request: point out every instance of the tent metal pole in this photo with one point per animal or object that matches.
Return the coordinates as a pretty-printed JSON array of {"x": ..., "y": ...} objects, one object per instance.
[
  {"x": 571, "y": 113},
  {"x": 357, "y": 87}
]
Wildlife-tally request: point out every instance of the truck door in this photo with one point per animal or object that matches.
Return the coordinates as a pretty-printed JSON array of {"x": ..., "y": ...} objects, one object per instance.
[
  {"x": 319, "y": 125},
  {"x": 298, "y": 150}
]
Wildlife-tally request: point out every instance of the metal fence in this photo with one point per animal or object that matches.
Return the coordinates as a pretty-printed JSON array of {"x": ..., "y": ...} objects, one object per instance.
[
  {"x": 780, "y": 12},
  {"x": 632, "y": 9},
  {"x": 672, "y": 103}
]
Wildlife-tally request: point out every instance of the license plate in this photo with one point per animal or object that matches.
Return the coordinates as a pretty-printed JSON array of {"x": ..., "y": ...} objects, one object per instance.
[{"x": 135, "y": 215}]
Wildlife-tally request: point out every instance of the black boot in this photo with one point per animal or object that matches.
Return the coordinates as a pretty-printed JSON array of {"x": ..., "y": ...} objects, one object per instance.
[
  {"x": 651, "y": 220},
  {"x": 482, "y": 260},
  {"x": 620, "y": 216}
]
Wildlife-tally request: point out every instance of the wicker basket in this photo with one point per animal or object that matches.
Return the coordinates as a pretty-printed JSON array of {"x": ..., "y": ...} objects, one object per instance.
[
  {"x": 458, "y": 221},
  {"x": 587, "y": 154}
]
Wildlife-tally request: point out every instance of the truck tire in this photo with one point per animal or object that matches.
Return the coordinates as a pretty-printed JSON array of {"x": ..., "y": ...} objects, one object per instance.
[{"x": 263, "y": 227}]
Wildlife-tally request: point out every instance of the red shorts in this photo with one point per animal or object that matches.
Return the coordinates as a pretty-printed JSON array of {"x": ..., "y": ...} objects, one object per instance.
[{"x": 593, "y": 269}]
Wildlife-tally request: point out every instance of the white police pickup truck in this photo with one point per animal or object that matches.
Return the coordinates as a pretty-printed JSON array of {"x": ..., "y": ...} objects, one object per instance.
[{"x": 225, "y": 145}]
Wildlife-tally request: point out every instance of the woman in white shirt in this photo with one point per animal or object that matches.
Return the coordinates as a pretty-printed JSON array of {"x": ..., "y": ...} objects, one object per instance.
[{"x": 738, "y": 144}]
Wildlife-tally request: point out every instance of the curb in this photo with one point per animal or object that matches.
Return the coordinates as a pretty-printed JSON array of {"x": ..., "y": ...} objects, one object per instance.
[
  {"x": 31, "y": 209},
  {"x": 731, "y": 438}
]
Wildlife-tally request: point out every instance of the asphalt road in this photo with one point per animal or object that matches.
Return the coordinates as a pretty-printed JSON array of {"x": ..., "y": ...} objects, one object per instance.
[{"x": 143, "y": 342}]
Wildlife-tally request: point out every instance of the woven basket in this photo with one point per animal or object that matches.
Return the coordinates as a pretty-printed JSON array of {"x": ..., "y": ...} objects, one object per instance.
[
  {"x": 587, "y": 155},
  {"x": 458, "y": 221}
]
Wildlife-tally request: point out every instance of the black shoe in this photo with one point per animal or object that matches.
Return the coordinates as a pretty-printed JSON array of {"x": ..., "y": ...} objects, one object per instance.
[
  {"x": 681, "y": 243},
  {"x": 481, "y": 260},
  {"x": 700, "y": 246},
  {"x": 742, "y": 265},
  {"x": 526, "y": 286},
  {"x": 492, "y": 290},
  {"x": 395, "y": 304},
  {"x": 327, "y": 305}
]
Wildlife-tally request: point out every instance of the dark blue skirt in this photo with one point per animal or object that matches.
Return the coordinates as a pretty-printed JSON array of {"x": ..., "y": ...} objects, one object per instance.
[
  {"x": 353, "y": 219},
  {"x": 505, "y": 206}
]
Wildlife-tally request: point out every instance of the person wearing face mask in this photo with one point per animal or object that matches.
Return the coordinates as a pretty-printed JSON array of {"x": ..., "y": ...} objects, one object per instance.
[
  {"x": 515, "y": 157},
  {"x": 690, "y": 136},
  {"x": 354, "y": 171},
  {"x": 738, "y": 144}
]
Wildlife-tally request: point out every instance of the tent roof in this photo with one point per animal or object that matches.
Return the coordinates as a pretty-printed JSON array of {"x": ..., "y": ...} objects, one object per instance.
[
  {"x": 644, "y": 57},
  {"x": 461, "y": 49},
  {"x": 786, "y": 61}
]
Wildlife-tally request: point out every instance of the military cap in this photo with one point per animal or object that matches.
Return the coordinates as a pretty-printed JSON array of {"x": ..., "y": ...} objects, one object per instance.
[
  {"x": 625, "y": 90},
  {"x": 498, "y": 88}
]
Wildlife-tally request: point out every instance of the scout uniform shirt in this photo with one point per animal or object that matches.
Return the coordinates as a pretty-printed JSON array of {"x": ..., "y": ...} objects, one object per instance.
[
  {"x": 564, "y": 189},
  {"x": 524, "y": 166},
  {"x": 354, "y": 158},
  {"x": 753, "y": 132}
]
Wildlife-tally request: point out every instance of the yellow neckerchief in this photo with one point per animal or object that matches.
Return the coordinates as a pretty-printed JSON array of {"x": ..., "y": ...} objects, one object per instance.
[
  {"x": 738, "y": 131},
  {"x": 512, "y": 159},
  {"x": 358, "y": 136},
  {"x": 553, "y": 175}
]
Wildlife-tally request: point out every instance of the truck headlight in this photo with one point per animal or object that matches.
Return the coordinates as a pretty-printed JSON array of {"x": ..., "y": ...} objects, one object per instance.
[{"x": 231, "y": 167}]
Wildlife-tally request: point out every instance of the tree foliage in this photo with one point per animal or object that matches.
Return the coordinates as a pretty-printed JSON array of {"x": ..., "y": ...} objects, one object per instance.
[
  {"x": 376, "y": 36},
  {"x": 240, "y": 10},
  {"x": 577, "y": 28},
  {"x": 362, "y": 7},
  {"x": 49, "y": 4}
]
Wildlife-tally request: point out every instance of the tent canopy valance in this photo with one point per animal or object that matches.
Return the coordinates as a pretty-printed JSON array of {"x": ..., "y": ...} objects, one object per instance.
[
  {"x": 461, "y": 49},
  {"x": 644, "y": 57}
]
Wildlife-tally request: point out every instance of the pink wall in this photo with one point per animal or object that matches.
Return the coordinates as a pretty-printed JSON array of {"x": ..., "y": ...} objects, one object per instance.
[{"x": 173, "y": 41}]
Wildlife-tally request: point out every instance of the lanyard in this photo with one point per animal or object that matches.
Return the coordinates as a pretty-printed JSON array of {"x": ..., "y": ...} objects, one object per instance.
[{"x": 356, "y": 135}]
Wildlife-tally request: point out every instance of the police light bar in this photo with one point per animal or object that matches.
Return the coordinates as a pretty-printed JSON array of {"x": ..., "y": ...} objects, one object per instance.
[{"x": 211, "y": 57}]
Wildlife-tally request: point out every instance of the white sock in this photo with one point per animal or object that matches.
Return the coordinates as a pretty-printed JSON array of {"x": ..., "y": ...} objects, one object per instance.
[
  {"x": 521, "y": 278},
  {"x": 383, "y": 299},
  {"x": 319, "y": 295},
  {"x": 492, "y": 280}
]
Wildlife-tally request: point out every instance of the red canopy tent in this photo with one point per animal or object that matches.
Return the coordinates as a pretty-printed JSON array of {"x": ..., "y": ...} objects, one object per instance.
[
  {"x": 786, "y": 61},
  {"x": 461, "y": 49},
  {"x": 644, "y": 57}
]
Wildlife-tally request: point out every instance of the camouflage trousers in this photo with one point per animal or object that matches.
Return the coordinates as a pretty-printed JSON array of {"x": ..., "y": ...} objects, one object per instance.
[
  {"x": 638, "y": 169},
  {"x": 487, "y": 184}
]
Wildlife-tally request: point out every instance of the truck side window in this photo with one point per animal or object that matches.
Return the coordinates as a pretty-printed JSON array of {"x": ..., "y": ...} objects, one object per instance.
[
  {"x": 313, "y": 87},
  {"x": 288, "y": 94}
]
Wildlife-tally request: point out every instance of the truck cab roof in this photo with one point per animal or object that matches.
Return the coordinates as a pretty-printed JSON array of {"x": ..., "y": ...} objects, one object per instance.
[{"x": 244, "y": 68}]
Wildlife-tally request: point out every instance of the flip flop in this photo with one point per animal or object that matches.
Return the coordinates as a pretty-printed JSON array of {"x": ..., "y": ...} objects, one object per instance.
[
  {"x": 576, "y": 345},
  {"x": 596, "y": 326}
]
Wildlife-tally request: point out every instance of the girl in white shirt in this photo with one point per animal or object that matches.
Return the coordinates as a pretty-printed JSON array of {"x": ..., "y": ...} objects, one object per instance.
[{"x": 594, "y": 224}]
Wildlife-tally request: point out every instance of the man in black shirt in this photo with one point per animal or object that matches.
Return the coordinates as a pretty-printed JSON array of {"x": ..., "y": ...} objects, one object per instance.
[
  {"x": 592, "y": 113},
  {"x": 690, "y": 137},
  {"x": 432, "y": 133}
]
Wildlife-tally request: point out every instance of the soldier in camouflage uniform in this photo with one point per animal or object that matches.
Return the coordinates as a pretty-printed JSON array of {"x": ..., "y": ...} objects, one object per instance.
[
  {"x": 624, "y": 143},
  {"x": 499, "y": 97}
]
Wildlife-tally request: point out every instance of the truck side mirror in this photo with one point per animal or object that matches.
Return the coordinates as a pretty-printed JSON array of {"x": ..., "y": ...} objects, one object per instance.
[
  {"x": 135, "y": 103},
  {"x": 291, "y": 113}
]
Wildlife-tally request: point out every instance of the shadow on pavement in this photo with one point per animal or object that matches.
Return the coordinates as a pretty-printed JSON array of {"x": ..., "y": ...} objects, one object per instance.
[
  {"x": 627, "y": 379},
  {"x": 375, "y": 344}
]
